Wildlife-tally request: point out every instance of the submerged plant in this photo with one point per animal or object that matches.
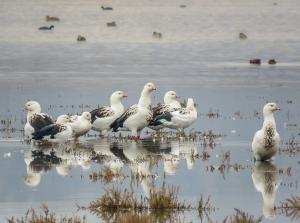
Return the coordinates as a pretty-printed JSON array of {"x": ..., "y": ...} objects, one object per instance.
[
  {"x": 44, "y": 216},
  {"x": 166, "y": 198},
  {"x": 291, "y": 207},
  {"x": 241, "y": 217}
]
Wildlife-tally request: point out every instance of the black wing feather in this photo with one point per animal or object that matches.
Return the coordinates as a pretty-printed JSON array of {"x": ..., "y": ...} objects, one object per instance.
[
  {"x": 118, "y": 123},
  {"x": 52, "y": 130},
  {"x": 39, "y": 121},
  {"x": 101, "y": 112},
  {"x": 158, "y": 119}
]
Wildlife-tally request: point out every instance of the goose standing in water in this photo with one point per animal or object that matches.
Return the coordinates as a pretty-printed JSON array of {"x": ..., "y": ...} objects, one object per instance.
[
  {"x": 81, "y": 124},
  {"x": 137, "y": 116},
  {"x": 104, "y": 116},
  {"x": 265, "y": 178},
  {"x": 61, "y": 130},
  {"x": 178, "y": 119},
  {"x": 35, "y": 119},
  {"x": 171, "y": 103},
  {"x": 266, "y": 141}
]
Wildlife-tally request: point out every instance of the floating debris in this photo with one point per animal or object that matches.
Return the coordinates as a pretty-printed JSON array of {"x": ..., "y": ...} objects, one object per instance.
[
  {"x": 255, "y": 61},
  {"x": 272, "y": 61},
  {"x": 106, "y": 7},
  {"x": 157, "y": 35},
  {"x": 52, "y": 18},
  {"x": 81, "y": 38},
  {"x": 242, "y": 36},
  {"x": 111, "y": 24}
]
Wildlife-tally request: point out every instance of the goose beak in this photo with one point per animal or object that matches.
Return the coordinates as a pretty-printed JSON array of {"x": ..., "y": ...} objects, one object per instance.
[
  {"x": 177, "y": 97},
  {"x": 153, "y": 88},
  {"x": 125, "y": 95}
]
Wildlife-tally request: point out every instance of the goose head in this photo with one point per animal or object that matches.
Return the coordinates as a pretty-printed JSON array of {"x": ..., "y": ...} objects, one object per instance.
[
  {"x": 86, "y": 115},
  {"x": 269, "y": 108},
  {"x": 63, "y": 119},
  {"x": 117, "y": 96},
  {"x": 33, "y": 107},
  {"x": 170, "y": 97},
  {"x": 149, "y": 87}
]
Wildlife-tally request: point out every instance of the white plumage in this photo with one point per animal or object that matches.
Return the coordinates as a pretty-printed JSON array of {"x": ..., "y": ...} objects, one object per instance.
[
  {"x": 171, "y": 103},
  {"x": 82, "y": 124},
  {"x": 61, "y": 130},
  {"x": 267, "y": 140},
  {"x": 104, "y": 116},
  {"x": 178, "y": 119},
  {"x": 35, "y": 119},
  {"x": 137, "y": 116}
]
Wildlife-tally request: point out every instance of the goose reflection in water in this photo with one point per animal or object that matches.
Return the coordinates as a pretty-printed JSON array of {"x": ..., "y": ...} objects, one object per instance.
[
  {"x": 265, "y": 178},
  {"x": 61, "y": 156}
]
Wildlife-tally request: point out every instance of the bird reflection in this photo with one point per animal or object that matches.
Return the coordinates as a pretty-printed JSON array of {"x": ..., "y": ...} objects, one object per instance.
[
  {"x": 114, "y": 157},
  {"x": 61, "y": 156},
  {"x": 265, "y": 178}
]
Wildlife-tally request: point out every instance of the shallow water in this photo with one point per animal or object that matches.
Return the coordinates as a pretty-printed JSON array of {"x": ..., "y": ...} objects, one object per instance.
[{"x": 199, "y": 56}]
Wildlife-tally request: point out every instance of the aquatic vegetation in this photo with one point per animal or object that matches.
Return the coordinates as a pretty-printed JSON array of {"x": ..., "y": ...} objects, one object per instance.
[
  {"x": 241, "y": 217},
  {"x": 116, "y": 200},
  {"x": 291, "y": 207},
  {"x": 205, "y": 208},
  {"x": 106, "y": 175},
  {"x": 45, "y": 216},
  {"x": 292, "y": 147},
  {"x": 166, "y": 198}
]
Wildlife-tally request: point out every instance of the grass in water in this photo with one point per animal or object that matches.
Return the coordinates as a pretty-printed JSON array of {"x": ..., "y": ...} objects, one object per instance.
[
  {"x": 241, "y": 217},
  {"x": 291, "y": 207},
  {"x": 44, "y": 216}
]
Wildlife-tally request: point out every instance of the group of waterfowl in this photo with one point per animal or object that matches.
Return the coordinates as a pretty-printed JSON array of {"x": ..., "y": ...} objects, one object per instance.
[
  {"x": 115, "y": 118},
  {"x": 170, "y": 114}
]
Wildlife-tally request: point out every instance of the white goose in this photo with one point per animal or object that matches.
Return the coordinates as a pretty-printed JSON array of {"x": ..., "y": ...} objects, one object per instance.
[
  {"x": 35, "y": 119},
  {"x": 178, "y": 119},
  {"x": 266, "y": 141},
  {"x": 82, "y": 124},
  {"x": 171, "y": 103},
  {"x": 61, "y": 130},
  {"x": 104, "y": 116},
  {"x": 137, "y": 116}
]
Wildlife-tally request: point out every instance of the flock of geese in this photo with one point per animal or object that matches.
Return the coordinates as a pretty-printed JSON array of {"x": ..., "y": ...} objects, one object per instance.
[
  {"x": 115, "y": 118},
  {"x": 170, "y": 114}
]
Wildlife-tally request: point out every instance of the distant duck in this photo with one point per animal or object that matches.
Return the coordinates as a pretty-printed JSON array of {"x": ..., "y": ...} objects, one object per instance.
[
  {"x": 137, "y": 116},
  {"x": 242, "y": 36},
  {"x": 61, "y": 130},
  {"x": 46, "y": 27},
  {"x": 157, "y": 35},
  {"x": 106, "y": 8},
  {"x": 81, "y": 38},
  {"x": 256, "y": 61},
  {"x": 81, "y": 124},
  {"x": 266, "y": 141},
  {"x": 52, "y": 18},
  {"x": 171, "y": 103},
  {"x": 35, "y": 119},
  {"x": 111, "y": 24},
  {"x": 272, "y": 61},
  {"x": 178, "y": 119},
  {"x": 266, "y": 180},
  {"x": 104, "y": 116}
]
